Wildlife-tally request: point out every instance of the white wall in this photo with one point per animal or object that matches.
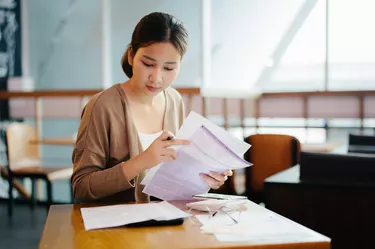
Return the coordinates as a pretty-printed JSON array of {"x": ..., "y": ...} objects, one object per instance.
[
  {"x": 245, "y": 34},
  {"x": 126, "y": 14},
  {"x": 75, "y": 60}
]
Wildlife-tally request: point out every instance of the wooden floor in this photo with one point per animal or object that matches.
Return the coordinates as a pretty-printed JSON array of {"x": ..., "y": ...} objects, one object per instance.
[{"x": 24, "y": 229}]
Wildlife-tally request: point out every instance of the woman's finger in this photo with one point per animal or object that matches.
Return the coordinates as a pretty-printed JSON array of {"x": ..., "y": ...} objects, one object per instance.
[
  {"x": 218, "y": 177},
  {"x": 176, "y": 142},
  {"x": 228, "y": 172},
  {"x": 166, "y": 159},
  {"x": 214, "y": 184},
  {"x": 165, "y": 135},
  {"x": 170, "y": 152}
]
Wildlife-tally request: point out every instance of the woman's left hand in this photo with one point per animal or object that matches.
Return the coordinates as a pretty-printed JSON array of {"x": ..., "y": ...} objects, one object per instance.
[{"x": 216, "y": 180}]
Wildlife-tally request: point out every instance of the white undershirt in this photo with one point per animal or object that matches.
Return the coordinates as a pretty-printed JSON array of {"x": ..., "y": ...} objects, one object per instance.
[{"x": 147, "y": 139}]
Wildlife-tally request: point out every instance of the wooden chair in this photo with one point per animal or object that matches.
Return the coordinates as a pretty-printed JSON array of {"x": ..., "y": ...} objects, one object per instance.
[
  {"x": 16, "y": 184},
  {"x": 270, "y": 154},
  {"x": 23, "y": 161}
]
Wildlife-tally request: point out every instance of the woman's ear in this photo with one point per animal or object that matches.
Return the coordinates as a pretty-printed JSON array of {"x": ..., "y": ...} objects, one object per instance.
[{"x": 130, "y": 56}]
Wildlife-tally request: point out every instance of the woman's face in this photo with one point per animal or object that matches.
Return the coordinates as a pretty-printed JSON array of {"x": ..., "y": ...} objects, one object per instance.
[{"x": 155, "y": 67}]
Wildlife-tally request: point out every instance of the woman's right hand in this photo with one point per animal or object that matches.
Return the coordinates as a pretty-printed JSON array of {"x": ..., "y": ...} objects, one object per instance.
[{"x": 159, "y": 151}]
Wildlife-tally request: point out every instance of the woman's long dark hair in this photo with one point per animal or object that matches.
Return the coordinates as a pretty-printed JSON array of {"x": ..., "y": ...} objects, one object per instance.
[{"x": 156, "y": 27}]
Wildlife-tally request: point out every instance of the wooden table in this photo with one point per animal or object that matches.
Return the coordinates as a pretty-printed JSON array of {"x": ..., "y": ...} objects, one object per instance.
[
  {"x": 64, "y": 229},
  {"x": 54, "y": 141},
  {"x": 324, "y": 147}
]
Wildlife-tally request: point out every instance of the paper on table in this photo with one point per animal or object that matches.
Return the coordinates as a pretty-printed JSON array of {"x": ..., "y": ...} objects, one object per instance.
[
  {"x": 180, "y": 180},
  {"x": 120, "y": 215},
  {"x": 257, "y": 224}
]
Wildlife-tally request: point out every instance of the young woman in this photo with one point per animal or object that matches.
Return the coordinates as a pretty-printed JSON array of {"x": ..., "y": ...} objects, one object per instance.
[{"x": 126, "y": 129}]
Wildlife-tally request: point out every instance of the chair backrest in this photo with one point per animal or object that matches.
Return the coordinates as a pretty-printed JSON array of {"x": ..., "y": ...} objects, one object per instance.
[
  {"x": 20, "y": 151},
  {"x": 336, "y": 168},
  {"x": 361, "y": 140},
  {"x": 270, "y": 154}
]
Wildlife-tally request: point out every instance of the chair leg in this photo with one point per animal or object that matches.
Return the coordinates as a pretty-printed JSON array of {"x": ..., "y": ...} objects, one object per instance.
[
  {"x": 10, "y": 196},
  {"x": 49, "y": 194},
  {"x": 71, "y": 195},
  {"x": 33, "y": 192}
]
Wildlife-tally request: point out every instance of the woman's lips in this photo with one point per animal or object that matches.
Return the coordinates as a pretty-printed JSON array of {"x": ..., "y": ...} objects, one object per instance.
[{"x": 153, "y": 89}]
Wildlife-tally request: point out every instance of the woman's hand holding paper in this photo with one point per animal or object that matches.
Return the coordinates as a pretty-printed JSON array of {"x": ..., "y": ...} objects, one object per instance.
[
  {"x": 159, "y": 150},
  {"x": 216, "y": 180}
]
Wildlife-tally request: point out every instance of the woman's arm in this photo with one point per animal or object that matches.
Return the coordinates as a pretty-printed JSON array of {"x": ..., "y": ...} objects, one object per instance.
[
  {"x": 92, "y": 177},
  {"x": 91, "y": 180}
]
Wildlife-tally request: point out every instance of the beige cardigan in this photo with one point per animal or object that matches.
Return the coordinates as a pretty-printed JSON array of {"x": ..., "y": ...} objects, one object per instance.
[{"x": 106, "y": 138}]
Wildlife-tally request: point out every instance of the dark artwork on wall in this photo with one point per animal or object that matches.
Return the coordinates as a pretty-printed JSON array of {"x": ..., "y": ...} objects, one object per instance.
[
  {"x": 10, "y": 48},
  {"x": 4, "y": 104}
]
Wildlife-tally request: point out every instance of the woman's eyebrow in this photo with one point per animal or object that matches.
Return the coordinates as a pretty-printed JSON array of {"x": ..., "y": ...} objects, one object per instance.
[
  {"x": 152, "y": 59},
  {"x": 149, "y": 58}
]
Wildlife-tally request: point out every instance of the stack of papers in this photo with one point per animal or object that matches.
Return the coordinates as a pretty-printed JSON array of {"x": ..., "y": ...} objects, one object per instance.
[
  {"x": 120, "y": 215},
  {"x": 211, "y": 148}
]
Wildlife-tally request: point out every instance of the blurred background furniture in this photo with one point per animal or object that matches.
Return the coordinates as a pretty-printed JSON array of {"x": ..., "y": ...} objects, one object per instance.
[
  {"x": 23, "y": 161},
  {"x": 320, "y": 147},
  {"x": 269, "y": 154},
  {"x": 332, "y": 167},
  {"x": 16, "y": 183},
  {"x": 361, "y": 144},
  {"x": 341, "y": 209}
]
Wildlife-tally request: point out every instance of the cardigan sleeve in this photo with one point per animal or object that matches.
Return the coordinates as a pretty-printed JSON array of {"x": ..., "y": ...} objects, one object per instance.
[{"x": 92, "y": 176}]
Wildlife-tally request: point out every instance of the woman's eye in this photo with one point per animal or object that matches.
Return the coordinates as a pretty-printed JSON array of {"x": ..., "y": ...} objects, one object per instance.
[
  {"x": 168, "y": 69},
  {"x": 146, "y": 64}
]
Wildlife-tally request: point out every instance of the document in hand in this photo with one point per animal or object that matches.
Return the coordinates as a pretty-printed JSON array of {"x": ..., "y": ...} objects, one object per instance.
[
  {"x": 211, "y": 148},
  {"x": 120, "y": 215}
]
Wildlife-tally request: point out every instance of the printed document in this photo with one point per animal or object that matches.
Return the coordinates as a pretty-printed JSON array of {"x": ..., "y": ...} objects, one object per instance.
[
  {"x": 211, "y": 148},
  {"x": 120, "y": 215}
]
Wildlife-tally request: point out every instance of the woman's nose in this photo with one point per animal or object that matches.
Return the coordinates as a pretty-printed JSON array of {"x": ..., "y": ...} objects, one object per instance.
[{"x": 156, "y": 75}]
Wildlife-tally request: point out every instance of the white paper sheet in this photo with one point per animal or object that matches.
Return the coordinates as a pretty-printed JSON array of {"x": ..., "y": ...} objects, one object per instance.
[
  {"x": 194, "y": 121},
  {"x": 119, "y": 215},
  {"x": 257, "y": 224},
  {"x": 150, "y": 174},
  {"x": 180, "y": 179}
]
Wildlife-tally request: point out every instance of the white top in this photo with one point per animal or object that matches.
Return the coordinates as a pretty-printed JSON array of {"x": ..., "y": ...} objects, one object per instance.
[{"x": 147, "y": 139}]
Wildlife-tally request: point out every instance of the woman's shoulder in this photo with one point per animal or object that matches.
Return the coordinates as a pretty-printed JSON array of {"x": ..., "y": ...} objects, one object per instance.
[
  {"x": 106, "y": 99},
  {"x": 173, "y": 94}
]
